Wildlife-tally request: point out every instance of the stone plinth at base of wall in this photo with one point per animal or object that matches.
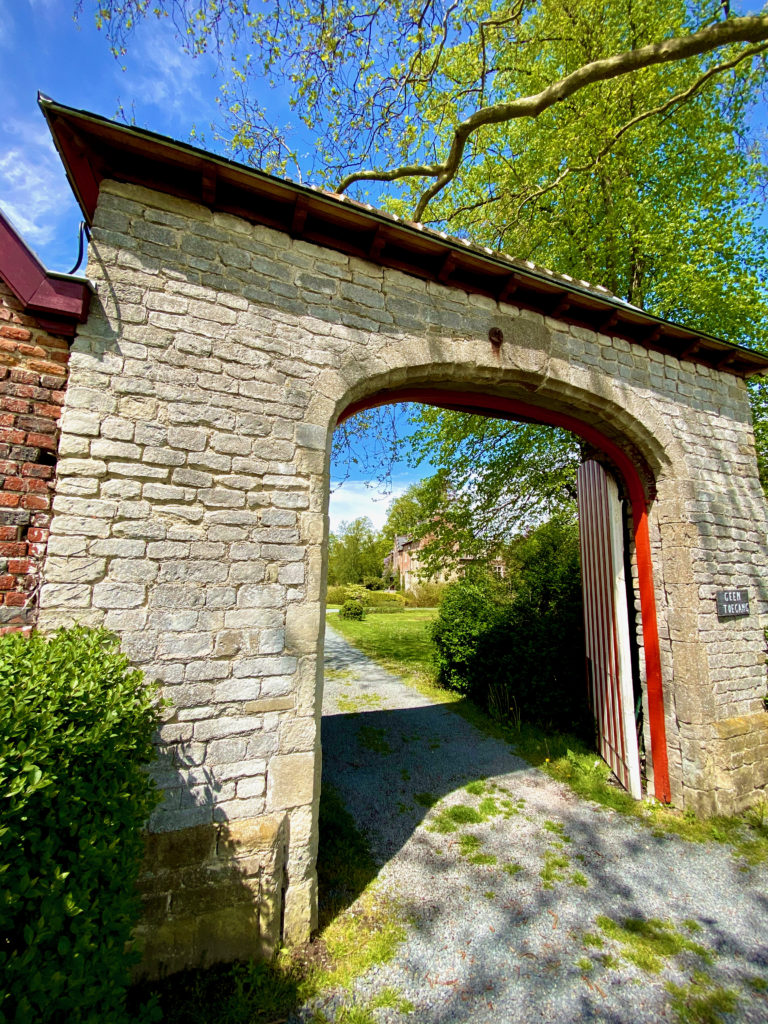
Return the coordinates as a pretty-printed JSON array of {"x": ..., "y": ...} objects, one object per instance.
[
  {"x": 741, "y": 761},
  {"x": 211, "y": 894}
]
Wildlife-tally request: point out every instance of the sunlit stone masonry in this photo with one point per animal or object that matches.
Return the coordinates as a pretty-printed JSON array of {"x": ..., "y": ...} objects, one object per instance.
[{"x": 235, "y": 319}]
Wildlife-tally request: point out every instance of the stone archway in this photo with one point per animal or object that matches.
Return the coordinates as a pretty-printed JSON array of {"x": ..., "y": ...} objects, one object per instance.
[
  {"x": 506, "y": 407},
  {"x": 235, "y": 319}
]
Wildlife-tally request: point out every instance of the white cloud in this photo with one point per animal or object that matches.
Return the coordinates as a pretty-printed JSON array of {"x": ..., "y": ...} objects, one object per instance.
[
  {"x": 33, "y": 190},
  {"x": 158, "y": 72},
  {"x": 354, "y": 499}
]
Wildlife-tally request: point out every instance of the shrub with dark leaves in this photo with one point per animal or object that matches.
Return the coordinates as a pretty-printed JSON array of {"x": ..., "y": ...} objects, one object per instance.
[{"x": 76, "y": 726}]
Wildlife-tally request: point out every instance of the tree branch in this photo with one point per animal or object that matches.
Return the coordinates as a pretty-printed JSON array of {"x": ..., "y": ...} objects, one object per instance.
[
  {"x": 734, "y": 30},
  {"x": 680, "y": 97}
]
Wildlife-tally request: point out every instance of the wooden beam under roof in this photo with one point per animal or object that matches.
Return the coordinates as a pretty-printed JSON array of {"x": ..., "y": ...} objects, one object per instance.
[{"x": 94, "y": 149}]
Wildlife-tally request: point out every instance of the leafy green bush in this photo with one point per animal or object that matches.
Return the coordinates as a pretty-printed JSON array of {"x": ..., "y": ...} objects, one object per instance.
[
  {"x": 517, "y": 646},
  {"x": 373, "y": 582},
  {"x": 368, "y": 598},
  {"x": 473, "y": 610},
  {"x": 384, "y": 599},
  {"x": 425, "y": 595},
  {"x": 76, "y": 726},
  {"x": 336, "y": 595},
  {"x": 352, "y": 610}
]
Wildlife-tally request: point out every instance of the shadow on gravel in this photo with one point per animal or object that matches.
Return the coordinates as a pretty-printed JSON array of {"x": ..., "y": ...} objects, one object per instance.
[
  {"x": 344, "y": 863},
  {"x": 387, "y": 764},
  {"x": 527, "y": 952}
]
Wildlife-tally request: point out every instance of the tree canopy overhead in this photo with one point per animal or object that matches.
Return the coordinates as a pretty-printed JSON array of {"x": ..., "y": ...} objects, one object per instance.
[
  {"x": 608, "y": 139},
  {"x": 613, "y": 140},
  {"x": 385, "y": 82}
]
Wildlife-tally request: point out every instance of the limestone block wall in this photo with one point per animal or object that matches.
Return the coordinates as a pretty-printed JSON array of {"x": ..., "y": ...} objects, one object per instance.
[
  {"x": 33, "y": 375},
  {"x": 215, "y": 897},
  {"x": 191, "y": 516}
]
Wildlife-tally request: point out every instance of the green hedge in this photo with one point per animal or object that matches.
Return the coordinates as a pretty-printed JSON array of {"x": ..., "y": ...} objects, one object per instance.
[
  {"x": 369, "y": 598},
  {"x": 76, "y": 726},
  {"x": 384, "y": 599},
  {"x": 516, "y": 646},
  {"x": 425, "y": 595}
]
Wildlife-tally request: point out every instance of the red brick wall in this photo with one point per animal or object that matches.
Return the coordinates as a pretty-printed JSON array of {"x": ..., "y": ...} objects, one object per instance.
[{"x": 33, "y": 376}]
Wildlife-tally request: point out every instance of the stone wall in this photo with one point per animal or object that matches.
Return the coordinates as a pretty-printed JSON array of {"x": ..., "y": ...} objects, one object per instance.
[
  {"x": 216, "y": 897},
  {"x": 191, "y": 510},
  {"x": 33, "y": 375}
]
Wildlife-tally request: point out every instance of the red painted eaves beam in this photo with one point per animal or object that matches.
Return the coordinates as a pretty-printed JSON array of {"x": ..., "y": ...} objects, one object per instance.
[
  {"x": 59, "y": 303},
  {"x": 509, "y": 408}
]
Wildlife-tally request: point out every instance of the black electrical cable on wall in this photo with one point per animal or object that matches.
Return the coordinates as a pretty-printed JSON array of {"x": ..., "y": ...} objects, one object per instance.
[{"x": 84, "y": 233}]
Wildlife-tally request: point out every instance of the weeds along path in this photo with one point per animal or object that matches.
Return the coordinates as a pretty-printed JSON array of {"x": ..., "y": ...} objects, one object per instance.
[{"x": 522, "y": 901}]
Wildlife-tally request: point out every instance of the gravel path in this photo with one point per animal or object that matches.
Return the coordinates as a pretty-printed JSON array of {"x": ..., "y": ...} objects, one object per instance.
[{"x": 497, "y": 922}]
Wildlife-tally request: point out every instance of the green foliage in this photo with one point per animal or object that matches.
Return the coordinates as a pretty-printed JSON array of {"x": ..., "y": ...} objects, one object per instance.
[
  {"x": 554, "y": 868},
  {"x": 427, "y": 594},
  {"x": 398, "y": 642},
  {"x": 515, "y": 644},
  {"x": 239, "y": 993},
  {"x": 402, "y": 645},
  {"x": 472, "y": 611},
  {"x": 758, "y": 393},
  {"x": 373, "y": 582},
  {"x": 412, "y": 514},
  {"x": 345, "y": 866},
  {"x": 647, "y": 942},
  {"x": 370, "y": 599},
  {"x": 701, "y": 1001},
  {"x": 651, "y": 183},
  {"x": 495, "y": 480},
  {"x": 659, "y": 205},
  {"x": 377, "y": 599},
  {"x": 355, "y": 553},
  {"x": 352, "y": 610},
  {"x": 349, "y": 943},
  {"x": 374, "y": 739},
  {"x": 76, "y": 726}
]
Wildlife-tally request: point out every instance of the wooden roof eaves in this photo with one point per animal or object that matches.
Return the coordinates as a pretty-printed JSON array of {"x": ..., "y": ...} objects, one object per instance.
[{"x": 93, "y": 148}]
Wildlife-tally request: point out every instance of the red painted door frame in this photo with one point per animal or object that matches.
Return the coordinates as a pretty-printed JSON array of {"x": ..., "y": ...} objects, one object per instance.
[{"x": 510, "y": 408}]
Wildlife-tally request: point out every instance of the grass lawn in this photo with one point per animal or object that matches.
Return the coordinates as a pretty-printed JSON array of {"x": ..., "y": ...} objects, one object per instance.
[
  {"x": 402, "y": 644},
  {"x": 399, "y": 641}
]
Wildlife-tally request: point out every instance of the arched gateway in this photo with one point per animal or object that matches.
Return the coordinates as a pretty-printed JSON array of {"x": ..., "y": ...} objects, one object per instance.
[{"x": 236, "y": 319}]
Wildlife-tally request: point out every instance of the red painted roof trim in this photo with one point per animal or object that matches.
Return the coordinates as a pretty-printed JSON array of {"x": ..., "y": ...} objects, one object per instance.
[{"x": 58, "y": 302}]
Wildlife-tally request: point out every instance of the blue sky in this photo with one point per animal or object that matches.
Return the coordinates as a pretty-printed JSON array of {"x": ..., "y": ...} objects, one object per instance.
[{"x": 43, "y": 48}]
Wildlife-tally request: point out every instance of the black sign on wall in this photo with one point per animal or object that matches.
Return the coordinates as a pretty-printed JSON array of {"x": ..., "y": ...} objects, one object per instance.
[{"x": 732, "y": 603}]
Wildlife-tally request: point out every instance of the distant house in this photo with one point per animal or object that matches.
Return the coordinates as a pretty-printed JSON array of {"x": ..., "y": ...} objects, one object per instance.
[
  {"x": 405, "y": 564},
  {"x": 403, "y": 561}
]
